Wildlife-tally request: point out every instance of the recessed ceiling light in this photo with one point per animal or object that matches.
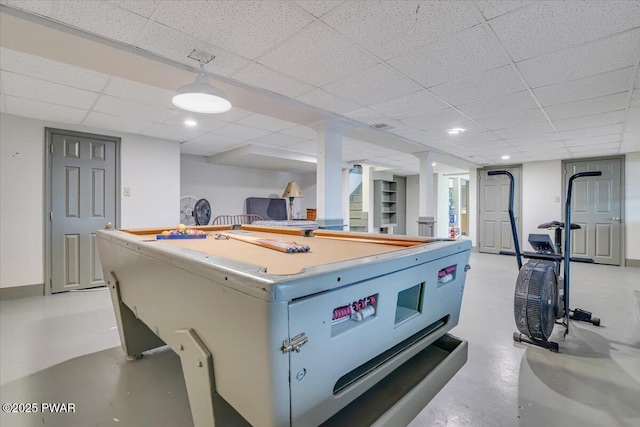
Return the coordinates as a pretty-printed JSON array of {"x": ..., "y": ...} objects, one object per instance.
[
  {"x": 455, "y": 131},
  {"x": 190, "y": 122},
  {"x": 433, "y": 164},
  {"x": 506, "y": 157}
]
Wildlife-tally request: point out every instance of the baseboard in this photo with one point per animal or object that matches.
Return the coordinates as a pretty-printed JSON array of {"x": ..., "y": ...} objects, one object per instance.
[
  {"x": 474, "y": 249},
  {"x": 17, "y": 292},
  {"x": 632, "y": 262}
]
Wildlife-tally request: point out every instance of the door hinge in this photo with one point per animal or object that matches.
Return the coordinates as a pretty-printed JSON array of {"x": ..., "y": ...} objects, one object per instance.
[
  {"x": 295, "y": 343},
  {"x": 51, "y": 148},
  {"x": 50, "y": 216}
]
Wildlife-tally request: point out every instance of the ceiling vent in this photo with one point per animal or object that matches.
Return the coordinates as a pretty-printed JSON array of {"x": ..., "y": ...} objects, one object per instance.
[
  {"x": 201, "y": 56},
  {"x": 381, "y": 126}
]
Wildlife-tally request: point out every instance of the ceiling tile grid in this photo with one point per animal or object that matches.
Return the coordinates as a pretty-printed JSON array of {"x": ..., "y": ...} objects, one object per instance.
[
  {"x": 547, "y": 26},
  {"x": 582, "y": 122},
  {"x": 277, "y": 139},
  {"x": 420, "y": 102},
  {"x": 263, "y": 77},
  {"x": 242, "y": 132},
  {"x": 43, "y": 111},
  {"x": 140, "y": 92},
  {"x": 40, "y": 7},
  {"x": 467, "y": 53},
  {"x": 319, "y": 7},
  {"x": 524, "y": 118},
  {"x": 320, "y": 98},
  {"x": 163, "y": 131},
  {"x": 39, "y": 90},
  {"x": 117, "y": 123},
  {"x": 262, "y": 25},
  {"x": 260, "y": 121},
  {"x": 389, "y": 28},
  {"x": 493, "y": 8},
  {"x": 204, "y": 122},
  {"x": 141, "y": 7},
  {"x": 52, "y": 71},
  {"x": 333, "y": 56},
  {"x": 127, "y": 108},
  {"x": 173, "y": 44},
  {"x": 602, "y": 104}
]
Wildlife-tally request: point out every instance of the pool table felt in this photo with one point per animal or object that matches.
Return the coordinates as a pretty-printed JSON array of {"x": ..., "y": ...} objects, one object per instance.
[{"x": 323, "y": 250}]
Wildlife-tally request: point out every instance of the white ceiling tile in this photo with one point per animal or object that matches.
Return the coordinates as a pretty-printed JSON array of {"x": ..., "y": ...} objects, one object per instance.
[
  {"x": 260, "y": 121},
  {"x": 171, "y": 132},
  {"x": 101, "y": 18},
  {"x": 233, "y": 115},
  {"x": 591, "y": 148},
  {"x": 204, "y": 122},
  {"x": 630, "y": 147},
  {"x": 43, "y": 111},
  {"x": 534, "y": 141},
  {"x": 40, "y": 7},
  {"x": 127, "y": 108},
  {"x": 547, "y": 26},
  {"x": 490, "y": 84},
  {"x": 117, "y": 123},
  {"x": 300, "y": 132},
  {"x": 597, "y": 57},
  {"x": 309, "y": 147},
  {"x": 320, "y": 98},
  {"x": 466, "y": 138},
  {"x": 493, "y": 8},
  {"x": 586, "y": 107},
  {"x": 584, "y": 88},
  {"x": 593, "y": 140},
  {"x": 525, "y": 131},
  {"x": 239, "y": 131},
  {"x": 333, "y": 56},
  {"x": 592, "y": 131},
  {"x": 467, "y": 53},
  {"x": 140, "y": 92},
  {"x": 247, "y": 28},
  {"x": 631, "y": 137},
  {"x": 500, "y": 106},
  {"x": 319, "y": 7},
  {"x": 519, "y": 119},
  {"x": 214, "y": 140},
  {"x": 470, "y": 128},
  {"x": 409, "y": 105},
  {"x": 633, "y": 120},
  {"x": 40, "y": 90},
  {"x": 172, "y": 44},
  {"x": 366, "y": 115},
  {"x": 141, "y": 7},
  {"x": 53, "y": 71},
  {"x": 263, "y": 77},
  {"x": 390, "y": 28},
  {"x": 278, "y": 139},
  {"x": 603, "y": 119},
  {"x": 445, "y": 119}
]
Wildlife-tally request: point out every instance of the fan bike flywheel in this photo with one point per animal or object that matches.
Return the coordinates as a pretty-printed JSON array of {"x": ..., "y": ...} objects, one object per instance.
[{"x": 536, "y": 302}]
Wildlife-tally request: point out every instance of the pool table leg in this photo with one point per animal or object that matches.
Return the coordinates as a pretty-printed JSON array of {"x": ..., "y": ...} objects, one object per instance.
[
  {"x": 197, "y": 367},
  {"x": 135, "y": 336}
]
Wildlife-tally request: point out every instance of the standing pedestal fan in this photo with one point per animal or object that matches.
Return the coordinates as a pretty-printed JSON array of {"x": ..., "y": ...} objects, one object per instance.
[{"x": 194, "y": 211}]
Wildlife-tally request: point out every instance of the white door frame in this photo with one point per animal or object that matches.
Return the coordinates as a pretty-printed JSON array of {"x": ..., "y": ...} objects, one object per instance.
[{"x": 48, "y": 141}]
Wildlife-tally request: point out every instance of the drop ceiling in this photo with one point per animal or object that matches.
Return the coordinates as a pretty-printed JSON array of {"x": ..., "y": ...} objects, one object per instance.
[{"x": 535, "y": 80}]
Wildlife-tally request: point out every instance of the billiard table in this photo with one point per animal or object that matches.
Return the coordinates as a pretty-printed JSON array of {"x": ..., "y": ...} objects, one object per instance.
[{"x": 349, "y": 330}]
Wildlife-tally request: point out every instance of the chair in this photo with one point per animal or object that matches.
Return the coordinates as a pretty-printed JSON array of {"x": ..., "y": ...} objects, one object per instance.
[{"x": 235, "y": 219}]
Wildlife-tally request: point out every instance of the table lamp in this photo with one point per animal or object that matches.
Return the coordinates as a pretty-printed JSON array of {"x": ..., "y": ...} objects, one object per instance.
[{"x": 292, "y": 191}]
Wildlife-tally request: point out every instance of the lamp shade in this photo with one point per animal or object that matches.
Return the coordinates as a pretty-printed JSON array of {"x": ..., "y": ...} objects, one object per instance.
[
  {"x": 292, "y": 190},
  {"x": 201, "y": 97}
]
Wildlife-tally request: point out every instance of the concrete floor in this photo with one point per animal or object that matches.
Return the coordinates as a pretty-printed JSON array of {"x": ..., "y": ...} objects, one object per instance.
[{"x": 65, "y": 348}]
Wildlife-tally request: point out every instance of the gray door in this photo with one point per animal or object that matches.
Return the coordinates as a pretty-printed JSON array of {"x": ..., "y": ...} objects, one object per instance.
[
  {"x": 495, "y": 228},
  {"x": 83, "y": 195},
  {"x": 597, "y": 207},
  {"x": 401, "y": 205}
]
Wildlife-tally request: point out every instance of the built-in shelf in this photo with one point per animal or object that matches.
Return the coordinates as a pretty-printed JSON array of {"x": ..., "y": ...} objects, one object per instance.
[{"x": 385, "y": 199}]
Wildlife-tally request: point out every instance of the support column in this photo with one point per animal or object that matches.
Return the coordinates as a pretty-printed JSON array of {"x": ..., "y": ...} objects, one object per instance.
[
  {"x": 329, "y": 196},
  {"x": 426, "y": 195}
]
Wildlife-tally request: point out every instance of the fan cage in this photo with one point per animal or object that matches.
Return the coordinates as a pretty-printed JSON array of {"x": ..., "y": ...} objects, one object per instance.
[{"x": 536, "y": 301}]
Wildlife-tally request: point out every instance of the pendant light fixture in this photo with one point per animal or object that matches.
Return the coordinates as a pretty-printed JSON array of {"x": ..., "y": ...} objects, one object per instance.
[{"x": 201, "y": 97}]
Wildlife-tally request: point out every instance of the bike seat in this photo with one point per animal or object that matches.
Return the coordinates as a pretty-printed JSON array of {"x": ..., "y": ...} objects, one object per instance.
[{"x": 557, "y": 224}]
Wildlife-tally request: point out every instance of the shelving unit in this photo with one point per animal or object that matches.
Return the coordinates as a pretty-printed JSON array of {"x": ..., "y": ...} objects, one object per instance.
[{"x": 385, "y": 199}]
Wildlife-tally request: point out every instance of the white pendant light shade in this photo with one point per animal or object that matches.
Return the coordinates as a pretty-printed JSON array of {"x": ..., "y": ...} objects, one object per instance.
[{"x": 201, "y": 97}]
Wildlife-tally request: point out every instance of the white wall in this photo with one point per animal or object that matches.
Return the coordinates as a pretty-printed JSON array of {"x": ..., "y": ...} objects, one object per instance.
[
  {"x": 472, "y": 210},
  {"x": 442, "y": 213},
  {"x": 413, "y": 185},
  {"x": 149, "y": 166},
  {"x": 632, "y": 208},
  {"x": 541, "y": 197},
  {"x": 227, "y": 187}
]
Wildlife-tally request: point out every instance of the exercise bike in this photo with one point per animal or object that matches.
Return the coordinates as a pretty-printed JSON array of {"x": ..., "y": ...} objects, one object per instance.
[{"x": 541, "y": 297}]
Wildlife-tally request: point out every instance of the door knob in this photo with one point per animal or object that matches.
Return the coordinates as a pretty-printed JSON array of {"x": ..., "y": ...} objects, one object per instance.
[{"x": 615, "y": 218}]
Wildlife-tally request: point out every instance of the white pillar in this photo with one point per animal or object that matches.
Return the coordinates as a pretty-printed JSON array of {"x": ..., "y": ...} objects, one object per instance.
[
  {"x": 329, "y": 174},
  {"x": 426, "y": 194}
]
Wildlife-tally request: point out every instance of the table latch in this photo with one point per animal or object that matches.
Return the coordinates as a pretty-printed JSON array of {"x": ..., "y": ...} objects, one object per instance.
[{"x": 295, "y": 343}]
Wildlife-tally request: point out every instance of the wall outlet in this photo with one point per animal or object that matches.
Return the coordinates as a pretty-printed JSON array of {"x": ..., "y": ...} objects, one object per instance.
[{"x": 127, "y": 191}]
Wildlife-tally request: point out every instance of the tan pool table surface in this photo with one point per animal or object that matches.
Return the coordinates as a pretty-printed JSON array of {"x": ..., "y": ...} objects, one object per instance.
[{"x": 326, "y": 247}]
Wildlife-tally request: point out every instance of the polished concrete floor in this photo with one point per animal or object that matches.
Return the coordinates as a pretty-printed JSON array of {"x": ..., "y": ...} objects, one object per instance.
[{"x": 65, "y": 348}]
